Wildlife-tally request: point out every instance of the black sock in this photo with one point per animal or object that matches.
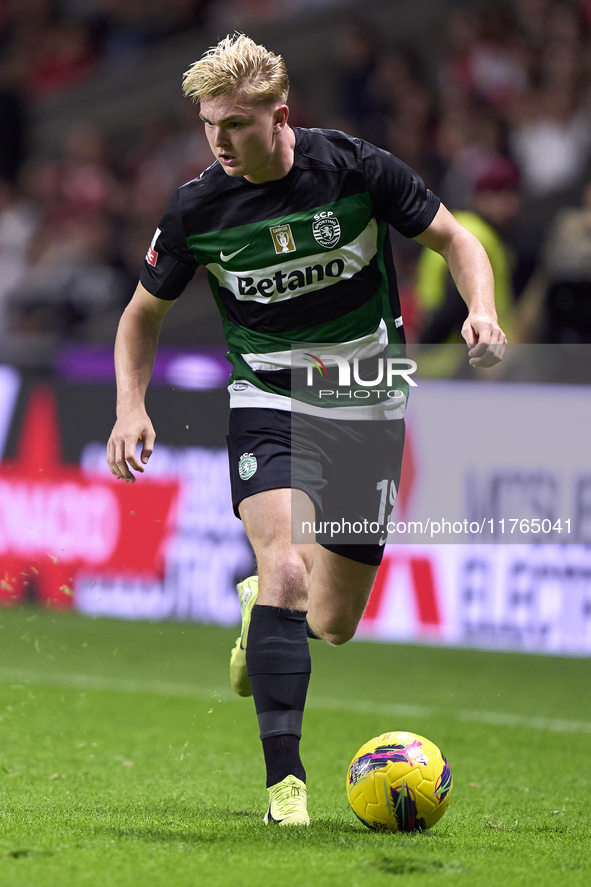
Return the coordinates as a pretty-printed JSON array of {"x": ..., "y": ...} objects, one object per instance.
[
  {"x": 278, "y": 663},
  {"x": 282, "y": 757}
]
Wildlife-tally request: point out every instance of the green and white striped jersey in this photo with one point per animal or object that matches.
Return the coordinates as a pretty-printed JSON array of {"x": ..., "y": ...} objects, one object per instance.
[{"x": 301, "y": 269}]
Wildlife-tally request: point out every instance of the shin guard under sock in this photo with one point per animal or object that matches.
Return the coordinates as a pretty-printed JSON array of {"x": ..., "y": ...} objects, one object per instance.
[{"x": 278, "y": 662}]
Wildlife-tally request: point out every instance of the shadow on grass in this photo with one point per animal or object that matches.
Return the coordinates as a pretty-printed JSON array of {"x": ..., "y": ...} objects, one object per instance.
[
  {"x": 206, "y": 826},
  {"x": 206, "y": 829},
  {"x": 236, "y": 825},
  {"x": 395, "y": 865},
  {"x": 22, "y": 853}
]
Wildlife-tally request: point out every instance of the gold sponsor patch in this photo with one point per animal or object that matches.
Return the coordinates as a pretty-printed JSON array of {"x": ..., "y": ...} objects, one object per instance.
[{"x": 282, "y": 239}]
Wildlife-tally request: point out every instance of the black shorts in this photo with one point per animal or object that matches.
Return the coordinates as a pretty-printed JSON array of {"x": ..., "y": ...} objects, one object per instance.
[{"x": 350, "y": 471}]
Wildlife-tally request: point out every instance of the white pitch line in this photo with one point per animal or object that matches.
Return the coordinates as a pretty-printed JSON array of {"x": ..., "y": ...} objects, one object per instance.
[
  {"x": 120, "y": 685},
  {"x": 356, "y": 706},
  {"x": 495, "y": 718}
]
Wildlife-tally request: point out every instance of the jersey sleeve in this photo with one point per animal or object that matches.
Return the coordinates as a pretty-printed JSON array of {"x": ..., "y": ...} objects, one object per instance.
[
  {"x": 398, "y": 194},
  {"x": 169, "y": 264}
]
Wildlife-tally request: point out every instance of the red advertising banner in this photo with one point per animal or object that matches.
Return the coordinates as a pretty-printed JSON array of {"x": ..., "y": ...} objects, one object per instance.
[{"x": 55, "y": 521}]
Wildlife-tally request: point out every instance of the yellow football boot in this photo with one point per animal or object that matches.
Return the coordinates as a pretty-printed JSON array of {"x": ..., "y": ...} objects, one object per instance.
[
  {"x": 247, "y": 595},
  {"x": 288, "y": 802}
]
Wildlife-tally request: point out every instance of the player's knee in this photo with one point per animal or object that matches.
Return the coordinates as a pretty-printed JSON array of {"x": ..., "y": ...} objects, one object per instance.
[
  {"x": 292, "y": 571},
  {"x": 285, "y": 577}
]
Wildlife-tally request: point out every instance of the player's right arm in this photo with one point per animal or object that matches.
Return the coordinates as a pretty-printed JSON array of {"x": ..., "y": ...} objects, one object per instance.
[{"x": 135, "y": 352}]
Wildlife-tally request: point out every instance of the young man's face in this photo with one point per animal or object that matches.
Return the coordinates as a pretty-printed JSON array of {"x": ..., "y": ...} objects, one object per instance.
[{"x": 244, "y": 136}]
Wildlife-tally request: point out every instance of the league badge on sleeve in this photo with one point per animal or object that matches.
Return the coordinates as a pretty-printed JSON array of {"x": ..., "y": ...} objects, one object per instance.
[{"x": 152, "y": 255}]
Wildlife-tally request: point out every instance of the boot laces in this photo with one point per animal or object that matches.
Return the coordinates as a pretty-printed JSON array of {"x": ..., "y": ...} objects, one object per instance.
[{"x": 288, "y": 798}]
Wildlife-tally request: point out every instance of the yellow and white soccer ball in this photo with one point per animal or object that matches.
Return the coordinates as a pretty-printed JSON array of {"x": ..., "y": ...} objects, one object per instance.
[{"x": 399, "y": 782}]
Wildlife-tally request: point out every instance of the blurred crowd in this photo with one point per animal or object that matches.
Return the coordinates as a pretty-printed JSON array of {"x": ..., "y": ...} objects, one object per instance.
[
  {"x": 504, "y": 137},
  {"x": 499, "y": 125}
]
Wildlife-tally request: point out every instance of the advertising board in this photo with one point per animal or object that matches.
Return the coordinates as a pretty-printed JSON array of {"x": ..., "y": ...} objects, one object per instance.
[{"x": 170, "y": 547}]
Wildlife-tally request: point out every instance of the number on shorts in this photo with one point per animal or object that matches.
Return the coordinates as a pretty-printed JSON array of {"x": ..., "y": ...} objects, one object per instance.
[{"x": 385, "y": 497}]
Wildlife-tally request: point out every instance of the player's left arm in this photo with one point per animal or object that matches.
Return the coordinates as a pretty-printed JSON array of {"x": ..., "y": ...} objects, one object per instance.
[{"x": 472, "y": 273}]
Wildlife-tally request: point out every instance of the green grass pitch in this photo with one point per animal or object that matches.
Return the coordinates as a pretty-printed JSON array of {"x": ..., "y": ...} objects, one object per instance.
[{"x": 126, "y": 760}]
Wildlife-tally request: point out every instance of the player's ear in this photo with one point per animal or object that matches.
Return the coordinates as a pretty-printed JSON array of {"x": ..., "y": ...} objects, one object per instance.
[{"x": 280, "y": 116}]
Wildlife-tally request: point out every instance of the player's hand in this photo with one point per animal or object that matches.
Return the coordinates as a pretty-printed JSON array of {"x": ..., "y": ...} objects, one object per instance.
[
  {"x": 130, "y": 429},
  {"x": 485, "y": 339}
]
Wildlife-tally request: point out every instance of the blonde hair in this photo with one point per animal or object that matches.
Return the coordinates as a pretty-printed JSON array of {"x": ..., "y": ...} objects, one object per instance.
[{"x": 237, "y": 64}]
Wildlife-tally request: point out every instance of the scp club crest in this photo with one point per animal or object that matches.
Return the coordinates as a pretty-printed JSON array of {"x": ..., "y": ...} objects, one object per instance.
[
  {"x": 247, "y": 466},
  {"x": 326, "y": 229}
]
